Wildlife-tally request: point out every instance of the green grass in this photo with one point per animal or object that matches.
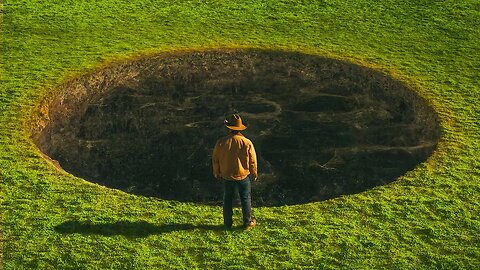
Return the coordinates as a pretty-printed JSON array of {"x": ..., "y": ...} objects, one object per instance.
[{"x": 428, "y": 219}]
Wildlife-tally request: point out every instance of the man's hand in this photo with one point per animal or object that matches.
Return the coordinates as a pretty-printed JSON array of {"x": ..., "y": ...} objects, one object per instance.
[{"x": 254, "y": 178}]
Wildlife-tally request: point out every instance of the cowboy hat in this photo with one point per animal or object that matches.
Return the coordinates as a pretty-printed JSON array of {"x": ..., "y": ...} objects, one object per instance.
[{"x": 234, "y": 122}]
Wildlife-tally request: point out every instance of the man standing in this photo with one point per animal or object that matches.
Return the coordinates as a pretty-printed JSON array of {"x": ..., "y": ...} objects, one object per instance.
[{"x": 235, "y": 162}]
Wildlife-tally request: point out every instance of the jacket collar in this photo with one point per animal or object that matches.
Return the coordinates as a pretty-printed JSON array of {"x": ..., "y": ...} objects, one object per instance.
[{"x": 235, "y": 134}]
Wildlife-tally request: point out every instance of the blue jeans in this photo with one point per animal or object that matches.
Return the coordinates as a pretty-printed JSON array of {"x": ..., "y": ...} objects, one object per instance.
[{"x": 244, "y": 188}]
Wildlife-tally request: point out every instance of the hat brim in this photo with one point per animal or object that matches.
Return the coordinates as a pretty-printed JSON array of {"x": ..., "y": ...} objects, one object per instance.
[{"x": 242, "y": 127}]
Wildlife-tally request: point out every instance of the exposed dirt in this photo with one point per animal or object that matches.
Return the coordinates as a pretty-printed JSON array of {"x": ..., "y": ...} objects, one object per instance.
[{"x": 321, "y": 127}]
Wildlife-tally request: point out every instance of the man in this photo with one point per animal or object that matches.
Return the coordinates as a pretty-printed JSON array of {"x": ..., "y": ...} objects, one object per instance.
[{"x": 235, "y": 162}]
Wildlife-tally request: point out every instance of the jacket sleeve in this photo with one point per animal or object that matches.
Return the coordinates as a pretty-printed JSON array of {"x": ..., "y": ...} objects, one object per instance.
[
  {"x": 252, "y": 159},
  {"x": 215, "y": 162}
]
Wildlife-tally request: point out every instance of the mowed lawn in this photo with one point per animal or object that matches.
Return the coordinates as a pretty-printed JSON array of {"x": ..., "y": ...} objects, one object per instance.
[{"x": 427, "y": 219}]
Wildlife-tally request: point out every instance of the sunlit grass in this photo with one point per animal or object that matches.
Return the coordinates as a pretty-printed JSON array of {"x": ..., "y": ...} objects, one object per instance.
[{"x": 428, "y": 219}]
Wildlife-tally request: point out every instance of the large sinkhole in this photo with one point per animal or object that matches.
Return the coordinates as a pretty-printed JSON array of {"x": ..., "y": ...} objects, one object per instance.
[{"x": 321, "y": 127}]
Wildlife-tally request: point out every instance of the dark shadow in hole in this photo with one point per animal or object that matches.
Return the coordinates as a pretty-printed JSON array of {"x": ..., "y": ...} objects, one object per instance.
[
  {"x": 131, "y": 229},
  {"x": 321, "y": 127}
]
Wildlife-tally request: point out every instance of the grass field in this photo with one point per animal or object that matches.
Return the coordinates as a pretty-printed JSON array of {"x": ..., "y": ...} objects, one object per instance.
[{"x": 427, "y": 219}]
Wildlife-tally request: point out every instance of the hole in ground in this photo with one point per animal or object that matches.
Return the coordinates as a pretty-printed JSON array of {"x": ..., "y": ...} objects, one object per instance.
[{"x": 321, "y": 127}]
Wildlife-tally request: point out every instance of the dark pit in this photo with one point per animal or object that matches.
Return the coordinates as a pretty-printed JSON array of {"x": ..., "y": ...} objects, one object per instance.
[{"x": 322, "y": 127}]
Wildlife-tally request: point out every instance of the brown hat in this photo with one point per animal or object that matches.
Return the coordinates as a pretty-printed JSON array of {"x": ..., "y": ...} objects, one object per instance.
[{"x": 234, "y": 122}]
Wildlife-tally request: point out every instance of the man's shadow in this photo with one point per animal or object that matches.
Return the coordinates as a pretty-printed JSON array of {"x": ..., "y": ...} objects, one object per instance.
[{"x": 130, "y": 229}]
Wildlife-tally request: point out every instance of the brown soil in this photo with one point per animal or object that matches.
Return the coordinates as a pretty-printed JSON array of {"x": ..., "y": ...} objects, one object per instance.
[{"x": 322, "y": 127}]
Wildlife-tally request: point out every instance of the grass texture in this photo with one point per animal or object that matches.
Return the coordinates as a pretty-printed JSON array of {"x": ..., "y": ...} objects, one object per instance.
[{"x": 427, "y": 219}]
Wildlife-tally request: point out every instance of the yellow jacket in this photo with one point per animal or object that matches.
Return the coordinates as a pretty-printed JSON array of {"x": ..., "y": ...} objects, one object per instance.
[{"x": 234, "y": 158}]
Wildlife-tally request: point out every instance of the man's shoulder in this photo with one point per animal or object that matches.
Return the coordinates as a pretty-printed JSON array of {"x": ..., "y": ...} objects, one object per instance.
[
  {"x": 223, "y": 139},
  {"x": 241, "y": 137},
  {"x": 234, "y": 137},
  {"x": 220, "y": 140}
]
